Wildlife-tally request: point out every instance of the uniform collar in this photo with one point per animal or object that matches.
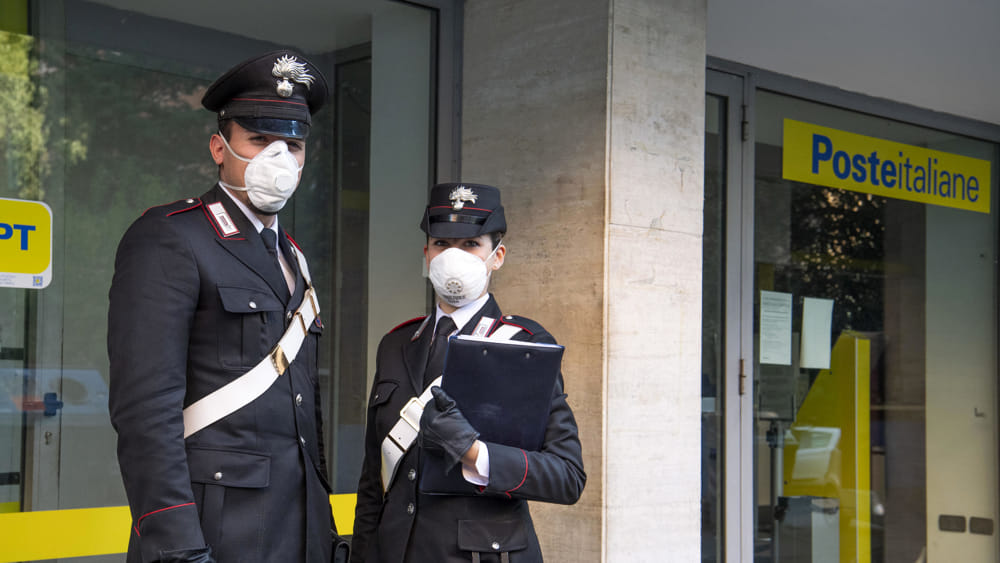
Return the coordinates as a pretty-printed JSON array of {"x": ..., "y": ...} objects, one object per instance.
[
  {"x": 251, "y": 216},
  {"x": 463, "y": 314}
]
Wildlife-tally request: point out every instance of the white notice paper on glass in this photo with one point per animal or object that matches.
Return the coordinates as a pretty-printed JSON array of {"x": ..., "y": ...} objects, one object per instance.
[
  {"x": 817, "y": 319},
  {"x": 776, "y": 328}
]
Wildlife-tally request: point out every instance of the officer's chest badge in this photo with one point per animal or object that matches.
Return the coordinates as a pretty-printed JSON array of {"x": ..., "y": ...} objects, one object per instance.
[
  {"x": 289, "y": 70},
  {"x": 459, "y": 196}
]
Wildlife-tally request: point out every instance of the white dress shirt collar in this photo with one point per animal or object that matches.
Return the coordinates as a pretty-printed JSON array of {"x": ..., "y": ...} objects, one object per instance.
[
  {"x": 463, "y": 314},
  {"x": 254, "y": 220}
]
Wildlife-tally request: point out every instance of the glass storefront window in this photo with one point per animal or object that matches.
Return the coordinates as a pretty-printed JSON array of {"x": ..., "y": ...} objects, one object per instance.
[
  {"x": 875, "y": 345},
  {"x": 101, "y": 113}
]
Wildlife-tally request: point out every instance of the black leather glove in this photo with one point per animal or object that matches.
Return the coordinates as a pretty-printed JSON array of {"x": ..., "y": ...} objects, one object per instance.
[
  {"x": 198, "y": 555},
  {"x": 444, "y": 430}
]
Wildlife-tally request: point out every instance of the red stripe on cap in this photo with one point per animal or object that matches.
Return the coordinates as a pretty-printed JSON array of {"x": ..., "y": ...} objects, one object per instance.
[
  {"x": 269, "y": 101},
  {"x": 462, "y": 209}
]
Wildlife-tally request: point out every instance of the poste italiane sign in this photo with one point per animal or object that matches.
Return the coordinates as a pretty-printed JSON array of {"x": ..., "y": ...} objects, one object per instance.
[
  {"x": 25, "y": 244},
  {"x": 838, "y": 159}
]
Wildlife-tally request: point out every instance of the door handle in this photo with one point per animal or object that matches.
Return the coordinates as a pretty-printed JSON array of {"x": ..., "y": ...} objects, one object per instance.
[{"x": 52, "y": 404}]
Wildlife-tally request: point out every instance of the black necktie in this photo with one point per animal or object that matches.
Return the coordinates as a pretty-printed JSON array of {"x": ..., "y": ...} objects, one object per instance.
[
  {"x": 271, "y": 244},
  {"x": 435, "y": 360}
]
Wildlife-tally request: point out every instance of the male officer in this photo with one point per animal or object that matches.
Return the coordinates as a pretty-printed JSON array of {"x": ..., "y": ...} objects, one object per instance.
[
  {"x": 219, "y": 423},
  {"x": 394, "y": 521}
]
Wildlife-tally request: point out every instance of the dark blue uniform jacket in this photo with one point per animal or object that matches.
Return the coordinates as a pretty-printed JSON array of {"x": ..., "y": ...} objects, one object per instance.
[
  {"x": 445, "y": 528},
  {"x": 191, "y": 309}
]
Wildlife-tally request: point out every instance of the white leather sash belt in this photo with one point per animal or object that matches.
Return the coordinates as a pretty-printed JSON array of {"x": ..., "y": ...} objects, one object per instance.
[{"x": 244, "y": 389}]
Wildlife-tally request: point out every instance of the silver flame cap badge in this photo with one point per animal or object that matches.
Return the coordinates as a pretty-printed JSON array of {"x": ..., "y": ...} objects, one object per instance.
[
  {"x": 459, "y": 196},
  {"x": 289, "y": 70}
]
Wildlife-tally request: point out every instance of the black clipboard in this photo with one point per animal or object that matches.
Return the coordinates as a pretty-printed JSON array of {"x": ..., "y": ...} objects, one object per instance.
[{"x": 504, "y": 389}]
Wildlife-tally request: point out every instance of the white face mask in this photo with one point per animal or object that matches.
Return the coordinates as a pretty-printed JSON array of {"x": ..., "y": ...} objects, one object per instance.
[
  {"x": 270, "y": 177},
  {"x": 460, "y": 277}
]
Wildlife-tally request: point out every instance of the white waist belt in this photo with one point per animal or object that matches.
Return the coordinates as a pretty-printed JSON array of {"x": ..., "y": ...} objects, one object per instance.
[{"x": 243, "y": 390}]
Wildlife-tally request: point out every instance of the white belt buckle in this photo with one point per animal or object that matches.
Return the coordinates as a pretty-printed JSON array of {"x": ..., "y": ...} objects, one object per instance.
[{"x": 404, "y": 413}]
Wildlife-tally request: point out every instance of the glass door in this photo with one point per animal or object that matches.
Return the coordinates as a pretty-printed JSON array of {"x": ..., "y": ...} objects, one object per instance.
[
  {"x": 874, "y": 338},
  {"x": 849, "y": 369}
]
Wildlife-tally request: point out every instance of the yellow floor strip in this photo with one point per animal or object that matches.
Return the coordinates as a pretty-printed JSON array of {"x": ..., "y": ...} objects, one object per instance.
[
  {"x": 53, "y": 534},
  {"x": 58, "y": 534}
]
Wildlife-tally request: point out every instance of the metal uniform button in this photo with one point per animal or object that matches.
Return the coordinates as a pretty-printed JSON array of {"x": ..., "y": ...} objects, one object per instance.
[
  {"x": 288, "y": 316},
  {"x": 303, "y": 440},
  {"x": 253, "y": 304},
  {"x": 298, "y": 399},
  {"x": 217, "y": 476},
  {"x": 410, "y": 509},
  {"x": 412, "y": 475},
  {"x": 496, "y": 546}
]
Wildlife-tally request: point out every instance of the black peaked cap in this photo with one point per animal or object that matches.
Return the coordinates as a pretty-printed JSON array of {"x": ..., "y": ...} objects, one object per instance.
[
  {"x": 274, "y": 93},
  {"x": 459, "y": 210}
]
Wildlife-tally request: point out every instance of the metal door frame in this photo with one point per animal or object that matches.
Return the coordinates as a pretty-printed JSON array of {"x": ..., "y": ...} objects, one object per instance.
[{"x": 737, "y": 463}]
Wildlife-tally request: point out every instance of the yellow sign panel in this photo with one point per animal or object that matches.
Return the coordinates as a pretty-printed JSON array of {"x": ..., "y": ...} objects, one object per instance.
[
  {"x": 838, "y": 159},
  {"x": 25, "y": 244}
]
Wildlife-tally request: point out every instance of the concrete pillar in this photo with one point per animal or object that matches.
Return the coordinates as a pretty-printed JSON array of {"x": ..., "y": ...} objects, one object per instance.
[
  {"x": 654, "y": 245},
  {"x": 589, "y": 115}
]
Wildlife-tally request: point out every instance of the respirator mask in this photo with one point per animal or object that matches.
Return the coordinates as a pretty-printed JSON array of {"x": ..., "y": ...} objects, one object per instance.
[
  {"x": 270, "y": 177},
  {"x": 460, "y": 277}
]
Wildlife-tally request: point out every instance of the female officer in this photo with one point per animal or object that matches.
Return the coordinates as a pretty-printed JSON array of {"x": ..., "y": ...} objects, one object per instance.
[{"x": 394, "y": 521}]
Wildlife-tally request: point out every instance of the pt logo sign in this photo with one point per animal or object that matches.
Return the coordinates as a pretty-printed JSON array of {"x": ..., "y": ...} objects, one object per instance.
[{"x": 25, "y": 244}]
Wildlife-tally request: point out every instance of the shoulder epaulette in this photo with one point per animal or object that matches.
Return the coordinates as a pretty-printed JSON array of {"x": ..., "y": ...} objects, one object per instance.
[
  {"x": 179, "y": 206},
  {"x": 407, "y": 323},
  {"x": 524, "y": 323}
]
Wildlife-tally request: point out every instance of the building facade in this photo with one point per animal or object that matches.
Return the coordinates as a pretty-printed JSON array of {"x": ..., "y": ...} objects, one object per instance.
[{"x": 765, "y": 233}]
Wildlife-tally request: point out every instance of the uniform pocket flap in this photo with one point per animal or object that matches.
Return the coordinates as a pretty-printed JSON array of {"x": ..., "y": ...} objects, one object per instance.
[
  {"x": 383, "y": 390},
  {"x": 246, "y": 300},
  {"x": 489, "y": 536},
  {"x": 232, "y": 468}
]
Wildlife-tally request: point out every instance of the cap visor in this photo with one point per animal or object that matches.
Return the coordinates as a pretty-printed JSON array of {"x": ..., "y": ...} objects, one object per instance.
[
  {"x": 291, "y": 128},
  {"x": 454, "y": 230}
]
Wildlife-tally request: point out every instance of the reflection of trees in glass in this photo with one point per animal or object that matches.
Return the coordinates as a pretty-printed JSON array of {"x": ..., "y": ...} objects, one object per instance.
[
  {"x": 23, "y": 131},
  {"x": 148, "y": 145},
  {"x": 837, "y": 245},
  {"x": 26, "y": 121}
]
